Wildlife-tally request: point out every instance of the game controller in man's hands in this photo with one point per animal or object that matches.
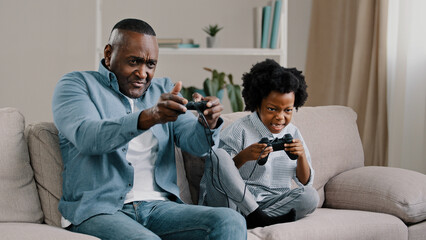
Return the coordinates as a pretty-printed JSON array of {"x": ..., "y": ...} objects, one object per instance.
[
  {"x": 277, "y": 145},
  {"x": 199, "y": 106}
]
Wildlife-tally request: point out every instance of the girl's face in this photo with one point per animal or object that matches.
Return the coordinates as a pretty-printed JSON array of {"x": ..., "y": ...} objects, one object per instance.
[{"x": 276, "y": 110}]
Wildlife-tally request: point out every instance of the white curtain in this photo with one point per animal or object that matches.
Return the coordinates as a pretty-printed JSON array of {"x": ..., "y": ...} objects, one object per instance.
[
  {"x": 407, "y": 84},
  {"x": 346, "y": 65}
]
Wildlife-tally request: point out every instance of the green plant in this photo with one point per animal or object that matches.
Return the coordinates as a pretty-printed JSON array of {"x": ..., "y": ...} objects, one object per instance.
[
  {"x": 215, "y": 86},
  {"x": 212, "y": 30}
]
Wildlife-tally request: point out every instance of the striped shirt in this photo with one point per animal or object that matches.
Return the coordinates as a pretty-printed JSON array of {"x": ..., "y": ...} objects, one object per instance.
[{"x": 273, "y": 178}]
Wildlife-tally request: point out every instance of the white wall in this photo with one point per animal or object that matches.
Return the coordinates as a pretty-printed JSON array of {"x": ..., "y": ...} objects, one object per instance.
[
  {"x": 42, "y": 40},
  {"x": 299, "y": 18}
]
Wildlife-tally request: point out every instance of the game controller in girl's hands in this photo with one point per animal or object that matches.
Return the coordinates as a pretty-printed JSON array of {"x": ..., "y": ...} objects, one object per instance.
[{"x": 277, "y": 145}]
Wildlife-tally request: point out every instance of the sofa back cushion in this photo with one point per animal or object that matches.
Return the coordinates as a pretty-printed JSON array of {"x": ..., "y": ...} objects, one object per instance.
[
  {"x": 330, "y": 132},
  {"x": 46, "y": 159},
  {"x": 19, "y": 200}
]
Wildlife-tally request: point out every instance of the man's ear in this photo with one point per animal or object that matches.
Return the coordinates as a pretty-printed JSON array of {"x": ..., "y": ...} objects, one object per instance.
[{"x": 107, "y": 55}]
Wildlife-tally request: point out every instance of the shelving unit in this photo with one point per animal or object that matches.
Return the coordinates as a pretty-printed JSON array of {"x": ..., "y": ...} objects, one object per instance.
[
  {"x": 221, "y": 51},
  {"x": 185, "y": 19},
  {"x": 281, "y": 52}
]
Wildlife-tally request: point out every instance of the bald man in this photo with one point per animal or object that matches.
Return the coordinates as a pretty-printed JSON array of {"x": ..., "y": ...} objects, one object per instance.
[{"x": 118, "y": 127}]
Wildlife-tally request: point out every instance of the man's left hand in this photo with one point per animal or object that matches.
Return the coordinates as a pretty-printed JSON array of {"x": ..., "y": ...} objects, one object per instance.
[{"x": 213, "y": 111}]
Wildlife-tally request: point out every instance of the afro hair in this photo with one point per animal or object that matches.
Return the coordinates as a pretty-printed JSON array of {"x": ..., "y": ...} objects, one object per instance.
[{"x": 267, "y": 76}]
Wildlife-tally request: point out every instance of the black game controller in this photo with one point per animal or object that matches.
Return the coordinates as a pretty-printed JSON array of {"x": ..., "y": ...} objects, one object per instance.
[
  {"x": 277, "y": 145},
  {"x": 199, "y": 106}
]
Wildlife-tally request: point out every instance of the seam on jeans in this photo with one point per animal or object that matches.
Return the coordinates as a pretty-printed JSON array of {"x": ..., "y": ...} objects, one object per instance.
[{"x": 207, "y": 230}]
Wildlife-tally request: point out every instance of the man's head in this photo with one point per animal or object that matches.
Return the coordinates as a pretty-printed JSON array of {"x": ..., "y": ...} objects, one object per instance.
[{"x": 132, "y": 55}]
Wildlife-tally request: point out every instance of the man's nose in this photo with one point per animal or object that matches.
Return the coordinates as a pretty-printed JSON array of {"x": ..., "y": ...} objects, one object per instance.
[{"x": 141, "y": 72}]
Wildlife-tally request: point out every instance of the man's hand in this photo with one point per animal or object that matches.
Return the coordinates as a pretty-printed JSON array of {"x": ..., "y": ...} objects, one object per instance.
[
  {"x": 168, "y": 108},
  {"x": 213, "y": 111}
]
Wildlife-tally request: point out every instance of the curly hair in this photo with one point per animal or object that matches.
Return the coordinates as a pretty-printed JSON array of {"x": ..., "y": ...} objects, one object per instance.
[{"x": 267, "y": 76}]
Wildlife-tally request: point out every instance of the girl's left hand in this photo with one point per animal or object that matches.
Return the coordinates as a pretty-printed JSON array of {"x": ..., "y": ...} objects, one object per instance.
[{"x": 296, "y": 147}]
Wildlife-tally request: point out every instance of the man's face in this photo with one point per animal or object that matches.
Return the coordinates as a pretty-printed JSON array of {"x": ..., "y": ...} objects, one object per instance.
[
  {"x": 276, "y": 111},
  {"x": 132, "y": 57}
]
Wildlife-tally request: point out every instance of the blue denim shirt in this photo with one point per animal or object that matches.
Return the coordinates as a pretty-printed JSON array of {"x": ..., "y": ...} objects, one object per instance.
[{"x": 95, "y": 124}]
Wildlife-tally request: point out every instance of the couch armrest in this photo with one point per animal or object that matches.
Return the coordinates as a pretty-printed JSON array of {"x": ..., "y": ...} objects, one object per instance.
[{"x": 395, "y": 191}]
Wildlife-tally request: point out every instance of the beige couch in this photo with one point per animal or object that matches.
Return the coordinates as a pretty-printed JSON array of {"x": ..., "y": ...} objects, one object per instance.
[{"x": 357, "y": 202}]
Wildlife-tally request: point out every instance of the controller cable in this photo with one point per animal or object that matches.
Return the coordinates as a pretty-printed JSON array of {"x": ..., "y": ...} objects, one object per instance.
[{"x": 209, "y": 134}]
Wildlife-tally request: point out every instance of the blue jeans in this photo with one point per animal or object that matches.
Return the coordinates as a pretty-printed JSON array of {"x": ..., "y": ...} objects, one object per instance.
[{"x": 165, "y": 220}]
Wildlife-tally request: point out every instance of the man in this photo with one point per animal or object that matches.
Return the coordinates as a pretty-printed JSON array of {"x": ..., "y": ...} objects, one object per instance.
[{"x": 118, "y": 128}]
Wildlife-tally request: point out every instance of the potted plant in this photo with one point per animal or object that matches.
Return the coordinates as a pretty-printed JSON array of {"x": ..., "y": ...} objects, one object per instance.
[
  {"x": 215, "y": 86},
  {"x": 212, "y": 30}
]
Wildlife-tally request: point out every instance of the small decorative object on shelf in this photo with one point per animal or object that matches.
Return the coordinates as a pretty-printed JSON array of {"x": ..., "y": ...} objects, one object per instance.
[
  {"x": 215, "y": 87},
  {"x": 212, "y": 30}
]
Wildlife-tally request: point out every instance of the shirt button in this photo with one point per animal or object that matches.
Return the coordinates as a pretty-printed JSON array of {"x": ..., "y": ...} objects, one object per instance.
[
  {"x": 130, "y": 164},
  {"x": 130, "y": 184},
  {"x": 123, "y": 149},
  {"x": 132, "y": 134},
  {"x": 121, "y": 198},
  {"x": 128, "y": 112}
]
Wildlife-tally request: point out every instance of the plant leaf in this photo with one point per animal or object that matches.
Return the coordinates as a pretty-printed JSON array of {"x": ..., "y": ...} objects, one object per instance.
[
  {"x": 234, "y": 95},
  {"x": 188, "y": 91}
]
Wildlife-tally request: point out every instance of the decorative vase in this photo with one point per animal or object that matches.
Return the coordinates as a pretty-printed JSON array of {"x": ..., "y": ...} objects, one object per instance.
[{"x": 211, "y": 42}]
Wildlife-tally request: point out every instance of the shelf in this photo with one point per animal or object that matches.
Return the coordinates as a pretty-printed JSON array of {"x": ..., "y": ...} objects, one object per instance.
[{"x": 223, "y": 51}]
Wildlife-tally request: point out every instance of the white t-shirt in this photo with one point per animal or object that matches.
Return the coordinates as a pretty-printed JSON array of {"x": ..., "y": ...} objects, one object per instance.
[{"x": 142, "y": 153}]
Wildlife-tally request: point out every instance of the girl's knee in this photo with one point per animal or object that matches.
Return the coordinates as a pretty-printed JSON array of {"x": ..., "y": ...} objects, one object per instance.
[{"x": 310, "y": 198}]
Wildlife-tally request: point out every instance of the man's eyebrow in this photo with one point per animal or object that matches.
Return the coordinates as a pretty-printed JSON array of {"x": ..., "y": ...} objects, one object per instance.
[{"x": 143, "y": 59}]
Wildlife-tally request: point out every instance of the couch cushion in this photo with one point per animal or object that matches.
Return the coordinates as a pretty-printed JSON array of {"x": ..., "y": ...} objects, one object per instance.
[
  {"x": 417, "y": 231},
  {"x": 19, "y": 200},
  {"x": 395, "y": 191},
  {"x": 46, "y": 159},
  {"x": 31, "y": 231},
  {"x": 332, "y": 136},
  {"x": 332, "y": 224},
  {"x": 182, "y": 181}
]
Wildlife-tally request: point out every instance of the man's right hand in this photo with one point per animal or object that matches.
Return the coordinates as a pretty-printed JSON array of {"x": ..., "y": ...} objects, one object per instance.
[{"x": 168, "y": 108}]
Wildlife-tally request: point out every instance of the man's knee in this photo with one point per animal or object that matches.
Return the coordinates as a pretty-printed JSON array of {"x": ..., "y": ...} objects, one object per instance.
[{"x": 231, "y": 223}]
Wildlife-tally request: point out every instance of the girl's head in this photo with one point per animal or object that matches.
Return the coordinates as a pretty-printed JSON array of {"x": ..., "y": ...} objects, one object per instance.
[{"x": 274, "y": 91}]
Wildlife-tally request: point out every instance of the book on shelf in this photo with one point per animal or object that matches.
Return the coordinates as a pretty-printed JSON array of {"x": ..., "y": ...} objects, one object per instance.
[
  {"x": 176, "y": 43},
  {"x": 257, "y": 26},
  {"x": 165, "y": 41},
  {"x": 180, "y": 45},
  {"x": 266, "y": 19},
  {"x": 275, "y": 24},
  {"x": 268, "y": 24}
]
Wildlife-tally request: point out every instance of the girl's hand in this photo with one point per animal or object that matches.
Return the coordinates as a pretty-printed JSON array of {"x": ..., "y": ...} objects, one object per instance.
[
  {"x": 296, "y": 147},
  {"x": 251, "y": 153}
]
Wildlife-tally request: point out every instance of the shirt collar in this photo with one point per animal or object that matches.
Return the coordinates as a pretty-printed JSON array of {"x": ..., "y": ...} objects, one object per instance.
[
  {"x": 109, "y": 77},
  {"x": 258, "y": 124}
]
